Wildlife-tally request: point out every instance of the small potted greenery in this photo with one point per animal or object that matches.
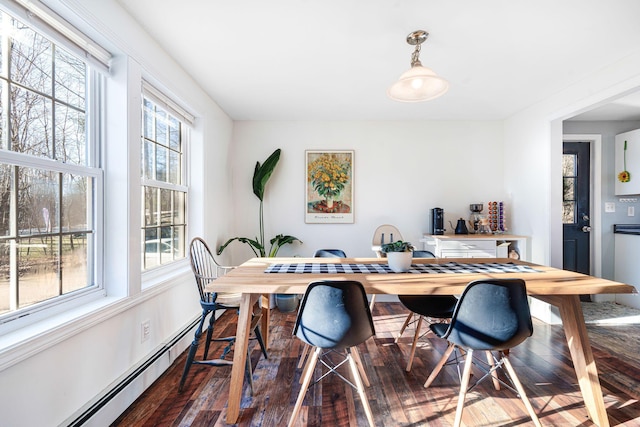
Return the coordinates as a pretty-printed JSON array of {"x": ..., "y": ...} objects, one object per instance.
[{"x": 399, "y": 255}]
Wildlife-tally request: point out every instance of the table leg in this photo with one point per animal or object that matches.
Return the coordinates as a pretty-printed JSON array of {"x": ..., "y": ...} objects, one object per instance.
[
  {"x": 583, "y": 362},
  {"x": 240, "y": 356},
  {"x": 266, "y": 318}
]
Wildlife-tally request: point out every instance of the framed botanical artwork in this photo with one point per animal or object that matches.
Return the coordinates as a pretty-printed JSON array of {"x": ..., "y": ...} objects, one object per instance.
[{"x": 329, "y": 187}]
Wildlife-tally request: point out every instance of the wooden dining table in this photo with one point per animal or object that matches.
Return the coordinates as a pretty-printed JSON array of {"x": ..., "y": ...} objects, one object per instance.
[{"x": 560, "y": 288}]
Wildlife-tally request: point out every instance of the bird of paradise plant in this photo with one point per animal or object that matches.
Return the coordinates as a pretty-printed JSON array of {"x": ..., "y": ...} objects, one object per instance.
[{"x": 261, "y": 175}]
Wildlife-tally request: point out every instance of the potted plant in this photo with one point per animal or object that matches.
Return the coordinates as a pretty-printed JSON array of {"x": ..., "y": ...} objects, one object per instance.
[
  {"x": 399, "y": 255},
  {"x": 261, "y": 175}
]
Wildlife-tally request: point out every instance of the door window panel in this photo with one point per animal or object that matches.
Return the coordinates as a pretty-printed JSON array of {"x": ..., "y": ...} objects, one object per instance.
[{"x": 569, "y": 172}]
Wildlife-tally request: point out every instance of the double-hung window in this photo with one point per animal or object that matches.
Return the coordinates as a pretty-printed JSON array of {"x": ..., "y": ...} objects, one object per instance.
[
  {"x": 165, "y": 133},
  {"x": 50, "y": 179}
]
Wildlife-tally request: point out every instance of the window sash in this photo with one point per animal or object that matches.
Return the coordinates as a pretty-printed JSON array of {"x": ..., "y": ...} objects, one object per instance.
[
  {"x": 163, "y": 242},
  {"x": 92, "y": 227}
]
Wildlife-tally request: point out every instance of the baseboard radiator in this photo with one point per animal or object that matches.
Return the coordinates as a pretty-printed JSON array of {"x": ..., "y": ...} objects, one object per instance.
[{"x": 86, "y": 416}]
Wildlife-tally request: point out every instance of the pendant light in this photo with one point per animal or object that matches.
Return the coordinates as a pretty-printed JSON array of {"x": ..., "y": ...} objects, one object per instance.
[{"x": 418, "y": 83}]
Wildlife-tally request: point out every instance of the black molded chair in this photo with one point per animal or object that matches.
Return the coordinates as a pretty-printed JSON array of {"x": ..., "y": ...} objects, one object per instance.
[
  {"x": 206, "y": 269},
  {"x": 334, "y": 317},
  {"x": 491, "y": 315},
  {"x": 329, "y": 253},
  {"x": 431, "y": 307},
  {"x": 321, "y": 253},
  {"x": 423, "y": 254}
]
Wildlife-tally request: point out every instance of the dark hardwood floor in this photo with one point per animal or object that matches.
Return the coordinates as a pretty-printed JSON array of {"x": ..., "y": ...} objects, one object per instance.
[{"x": 398, "y": 398}]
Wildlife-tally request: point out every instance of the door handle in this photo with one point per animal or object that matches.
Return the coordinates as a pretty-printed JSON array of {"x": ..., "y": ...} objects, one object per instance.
[{"x": 586, "y": 229}]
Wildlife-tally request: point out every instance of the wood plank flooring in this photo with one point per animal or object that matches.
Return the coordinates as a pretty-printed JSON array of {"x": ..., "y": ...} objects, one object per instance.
[{"x": 398, "y": 398}]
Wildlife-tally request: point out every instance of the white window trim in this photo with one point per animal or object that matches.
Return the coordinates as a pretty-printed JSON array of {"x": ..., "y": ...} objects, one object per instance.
[
  {"x": 152, "y": 276},
  {"x": 29, "y": 317},
  {"x": 44, "y": 20},
  {"x": 164, "y": 101}
]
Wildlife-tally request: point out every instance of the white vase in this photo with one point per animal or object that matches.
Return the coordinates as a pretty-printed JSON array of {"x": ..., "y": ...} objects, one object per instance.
[{"x": 399, "y": 262}]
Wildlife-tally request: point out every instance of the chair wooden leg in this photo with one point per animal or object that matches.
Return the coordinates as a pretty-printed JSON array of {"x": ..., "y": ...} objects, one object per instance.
[
  {"x": 307, "y": 365},
  {"x": 358, "y": 360},
  {"x": 404, "y": 326},
  {"x": 249, "y": 373},
  {"x": 521, "y": 392},
  {"x": 308, "y": 375},
  {"x": 464, "y": 385},
  {"x": 494, "y": 374},
  {"x": 303, "y": 355},
  {"x": 212, "y": 321},
  {"x": 441, "y": 363},
  {"x": 192, "y": 350},
  {"x": 415, "y": 343},
  {"x": 263, "y": 347},
  {"x": 360, "y": 386},
  {"x": 373, "y": 300}
]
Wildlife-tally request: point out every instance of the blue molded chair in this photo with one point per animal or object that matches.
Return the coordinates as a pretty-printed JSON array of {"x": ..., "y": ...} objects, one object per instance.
[
  {"x": 334, "y": 317},
  {"x": 206, "y": 269},
  {"x": 321, "y": 253},
  {"x": 431, "y": 307},
  {"x": 491, "y": 315},
  {"x": 329, "y": 253}
]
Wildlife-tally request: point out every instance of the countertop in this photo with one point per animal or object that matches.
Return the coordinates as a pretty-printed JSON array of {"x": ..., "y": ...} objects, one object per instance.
[
  {"x": 626, "y": 229},
  {"x": 478, "y": 236}
]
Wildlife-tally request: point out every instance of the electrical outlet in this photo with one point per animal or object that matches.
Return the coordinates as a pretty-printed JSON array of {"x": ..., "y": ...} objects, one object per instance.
[
  {"x": 145, "y": 329},
  {"x": 609, "y": 207},
  {"x": 631, "y": 211}
]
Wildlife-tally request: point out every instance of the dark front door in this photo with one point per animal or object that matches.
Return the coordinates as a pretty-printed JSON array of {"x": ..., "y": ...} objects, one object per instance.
[{"x": 575, "y": 213}]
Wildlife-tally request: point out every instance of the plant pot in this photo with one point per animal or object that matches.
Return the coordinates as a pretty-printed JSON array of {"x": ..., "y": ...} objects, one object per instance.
[
  {"x": 399, "y": 262},
  {"x": 287, "y": 302}
]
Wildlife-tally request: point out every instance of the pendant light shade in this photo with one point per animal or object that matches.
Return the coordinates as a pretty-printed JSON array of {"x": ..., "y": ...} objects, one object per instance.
[{"x": 418, "y": 83}]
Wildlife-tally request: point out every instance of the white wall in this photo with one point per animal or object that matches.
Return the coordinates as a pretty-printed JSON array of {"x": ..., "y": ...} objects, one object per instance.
[
  {"x": 608, "y": 130},
  {"x": 533, "y": 151},
  {"x": 62, "y": 371},
  {"x": 402, "y": 170}
]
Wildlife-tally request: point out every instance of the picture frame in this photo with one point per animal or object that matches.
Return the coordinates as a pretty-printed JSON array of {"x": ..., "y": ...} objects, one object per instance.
[{"x": 329, "y": 186}]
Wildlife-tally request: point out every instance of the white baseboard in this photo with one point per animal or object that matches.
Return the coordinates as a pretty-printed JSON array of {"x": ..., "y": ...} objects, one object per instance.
[{"x": 109, "y": 405}]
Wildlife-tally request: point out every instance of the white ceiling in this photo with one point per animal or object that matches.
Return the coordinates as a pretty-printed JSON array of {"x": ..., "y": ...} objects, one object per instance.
[{"x": 334, "y": 59}]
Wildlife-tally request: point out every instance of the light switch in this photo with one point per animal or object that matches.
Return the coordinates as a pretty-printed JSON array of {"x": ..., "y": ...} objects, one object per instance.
[
  {"x": 609, "y": 207},
  {"x": 631, "y": 211}
]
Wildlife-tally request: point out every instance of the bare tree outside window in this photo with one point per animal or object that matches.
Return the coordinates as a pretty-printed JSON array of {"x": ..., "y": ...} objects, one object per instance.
[{"x": 46, "y": 227}]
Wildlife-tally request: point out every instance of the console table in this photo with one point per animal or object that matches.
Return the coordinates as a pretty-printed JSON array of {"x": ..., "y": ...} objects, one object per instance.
[{"x": 475, "y": 245}]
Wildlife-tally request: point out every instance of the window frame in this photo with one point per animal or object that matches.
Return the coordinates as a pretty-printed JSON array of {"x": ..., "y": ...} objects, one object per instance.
[
  {"x": 91, "y": 169},
  {"x": 153, "y": 274}
]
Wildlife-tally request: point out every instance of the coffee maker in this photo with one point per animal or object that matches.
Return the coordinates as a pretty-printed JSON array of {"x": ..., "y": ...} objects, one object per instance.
[
  {"x": 476, "y": 217},
  {"x": 437, "y": 221}
]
